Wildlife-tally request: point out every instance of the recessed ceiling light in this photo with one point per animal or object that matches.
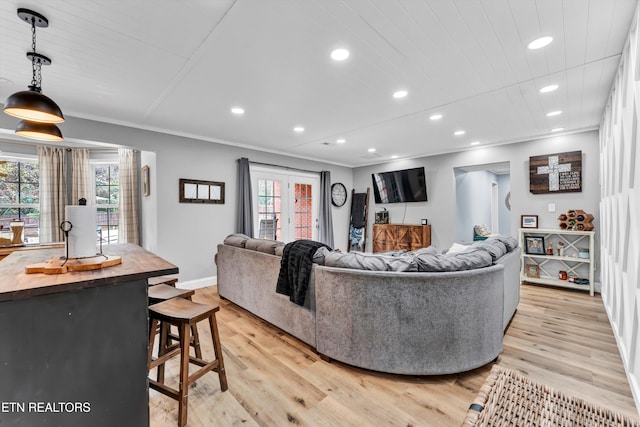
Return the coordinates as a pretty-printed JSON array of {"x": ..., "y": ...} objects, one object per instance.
[
  {"x": 549, "y": 88},
  {"x": 556, "y": 129},
  {"x": 400, "y": 94},
  {"x": 341, "y": 140},
  {"x": 436, "y": 117},
  {"x": 371, "y": 150},
  {"x": 540, "y": 43},
  {"x": 554, "y": 113},
  {"x": 298, "y": 129},
  {"x": 395, "y": 156},
  {"x": 475, "y": 143},
  {"x": 237, "y": 110},
  {"x": 459, "y": 132},
  {"x": 339, "y": 54}
]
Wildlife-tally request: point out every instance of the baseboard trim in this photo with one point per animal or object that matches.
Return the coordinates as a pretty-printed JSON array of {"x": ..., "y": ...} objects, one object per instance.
[{"x": 198, "y": 283}]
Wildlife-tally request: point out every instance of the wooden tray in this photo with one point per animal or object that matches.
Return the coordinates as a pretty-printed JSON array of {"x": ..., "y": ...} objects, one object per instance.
[{"x": 54, "y": 266}]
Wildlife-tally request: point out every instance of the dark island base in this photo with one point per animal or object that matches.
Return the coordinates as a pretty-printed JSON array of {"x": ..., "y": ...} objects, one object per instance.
[{"x": 76, "y": 358}]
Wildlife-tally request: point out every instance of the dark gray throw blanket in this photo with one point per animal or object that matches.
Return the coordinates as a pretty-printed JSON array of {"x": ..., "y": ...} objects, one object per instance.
[{"x": 295, "y": 269}]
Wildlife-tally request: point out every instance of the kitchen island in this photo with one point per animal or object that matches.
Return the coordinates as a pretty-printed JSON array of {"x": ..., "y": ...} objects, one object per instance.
[{"x": 74, "y": 345}]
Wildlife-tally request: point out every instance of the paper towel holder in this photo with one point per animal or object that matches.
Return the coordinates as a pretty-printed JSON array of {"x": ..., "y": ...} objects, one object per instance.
[{"x": 66, "y": 227}]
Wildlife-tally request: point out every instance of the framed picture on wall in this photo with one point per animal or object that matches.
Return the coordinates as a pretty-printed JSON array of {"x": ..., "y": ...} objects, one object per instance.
[{"x": 529, "y": 221}]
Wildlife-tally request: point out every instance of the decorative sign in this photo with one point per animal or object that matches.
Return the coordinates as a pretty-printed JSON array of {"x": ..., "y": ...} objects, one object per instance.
[{"x": 556, "y": 173}]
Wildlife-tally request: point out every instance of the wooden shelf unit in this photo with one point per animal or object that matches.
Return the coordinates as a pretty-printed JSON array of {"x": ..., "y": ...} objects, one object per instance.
[
  {"x": 393, "y": 237},
  {"x": 550, "y": 265}
]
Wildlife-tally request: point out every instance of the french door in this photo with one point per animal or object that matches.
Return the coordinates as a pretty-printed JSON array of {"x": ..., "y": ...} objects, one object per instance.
[{"x": 285, "y": 204}]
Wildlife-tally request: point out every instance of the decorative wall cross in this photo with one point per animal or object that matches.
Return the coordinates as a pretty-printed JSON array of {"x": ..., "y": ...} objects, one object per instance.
[
  {"x": 553, "y": 169},
  {"x": 556, "y": 173}
]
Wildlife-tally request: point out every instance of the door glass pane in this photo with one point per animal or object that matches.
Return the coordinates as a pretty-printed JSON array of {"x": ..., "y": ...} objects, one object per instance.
[
  {"x": 269, "y": 209},
  {"x": 303, "y": 212}
]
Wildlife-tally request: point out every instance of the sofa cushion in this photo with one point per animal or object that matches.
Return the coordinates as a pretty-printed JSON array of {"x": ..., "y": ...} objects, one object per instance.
[
  {"x": 495, "y": 248},
  {"x": 427, "y": 250},
  {"x": 238, "y": 240},
  {"x": 369, "y": 261},
  {"x": 467, "y": 260},
  {"x": 267, "y": 246},
  {"x": 510, "y": 242}
]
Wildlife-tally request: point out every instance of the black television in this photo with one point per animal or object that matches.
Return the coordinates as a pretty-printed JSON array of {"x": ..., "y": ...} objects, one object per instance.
[{"x": 407, "y": 185}]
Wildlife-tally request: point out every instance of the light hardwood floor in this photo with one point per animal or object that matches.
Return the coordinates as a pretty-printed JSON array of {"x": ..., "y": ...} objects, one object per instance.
[{"x": 557, "y": 337}]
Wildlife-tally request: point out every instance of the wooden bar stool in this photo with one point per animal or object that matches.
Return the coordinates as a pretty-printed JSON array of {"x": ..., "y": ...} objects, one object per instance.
[
  {"x": 163, "y": 292},
  {"x": 185, "y": 315}
]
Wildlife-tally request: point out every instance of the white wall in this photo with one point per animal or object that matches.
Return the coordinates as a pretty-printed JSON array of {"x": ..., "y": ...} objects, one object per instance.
[
  {"x": 441, "y": 185},
  {"x": 620, "y": 208},
  {"x": 149, "y": 204},
  {"x": 188, "y": 234}
]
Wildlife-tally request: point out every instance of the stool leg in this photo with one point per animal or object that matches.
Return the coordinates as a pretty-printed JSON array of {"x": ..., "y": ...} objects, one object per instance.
[
  {"x": 222, "y": 375},
  {"x": 183, "y": 387},
  {"x": 196, "y": 337},
  {"x": 162, "y": 347},
  {"x": 152, "y": 337},
  {"x": 196, "y": 340}
]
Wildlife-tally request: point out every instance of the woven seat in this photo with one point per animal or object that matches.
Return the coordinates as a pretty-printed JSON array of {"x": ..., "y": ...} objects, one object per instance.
[{"x": 185, "y": 315}]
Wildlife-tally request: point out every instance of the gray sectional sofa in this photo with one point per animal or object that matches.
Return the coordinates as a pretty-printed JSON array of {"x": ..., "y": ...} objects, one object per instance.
[{"x": 420, "y": 320}]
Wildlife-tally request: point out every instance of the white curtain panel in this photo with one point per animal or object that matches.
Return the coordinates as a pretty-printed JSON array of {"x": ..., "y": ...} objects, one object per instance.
[
  {"x": 128, "y": 175},
  {"x": 52, "y": 193},
  {"x": 81, "y": 176}
]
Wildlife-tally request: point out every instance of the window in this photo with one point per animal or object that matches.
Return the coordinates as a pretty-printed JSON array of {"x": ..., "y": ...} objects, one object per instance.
[
  {"x": 20, "y": 196},
  {"x": 107, "y": 201},
  {"x": 285, "y": 204}
]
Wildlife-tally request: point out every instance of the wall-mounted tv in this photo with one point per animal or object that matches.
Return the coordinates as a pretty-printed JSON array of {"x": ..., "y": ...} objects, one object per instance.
[{"x": 407, "y": 185}]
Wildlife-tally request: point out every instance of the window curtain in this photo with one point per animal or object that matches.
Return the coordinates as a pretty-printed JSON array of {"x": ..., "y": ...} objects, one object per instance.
[
  {"x": 325, "y": 231},
  {"x": 80, "y": 176},
  {"x": 128, "y": 196},
  {"x": 244, "y": 208},
  {"x": 53, "y": 193}
]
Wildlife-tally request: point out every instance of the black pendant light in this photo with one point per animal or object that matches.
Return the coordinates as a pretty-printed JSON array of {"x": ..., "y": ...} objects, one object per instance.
[
  {"x": 38, "y": 130},
  {"x": 31, "y": 105}
]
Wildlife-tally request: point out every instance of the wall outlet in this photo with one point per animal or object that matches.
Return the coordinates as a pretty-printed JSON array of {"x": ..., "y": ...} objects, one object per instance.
[{"x": 552, "y": 207}]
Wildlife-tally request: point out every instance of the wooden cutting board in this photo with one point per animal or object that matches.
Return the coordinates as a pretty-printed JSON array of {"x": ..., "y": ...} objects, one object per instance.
[{"x": 54, "y": 266}]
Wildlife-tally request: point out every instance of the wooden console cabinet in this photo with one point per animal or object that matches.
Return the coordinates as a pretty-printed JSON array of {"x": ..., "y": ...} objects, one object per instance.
[{"x": 391, "y": 237}]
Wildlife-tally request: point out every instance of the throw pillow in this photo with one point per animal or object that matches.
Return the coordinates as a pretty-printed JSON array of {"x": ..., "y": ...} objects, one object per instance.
[
  {"x": 457, "y": 247},
  {"x": 266, "y": 246},
  {"x": 481, "y": 230},
  {"x": 238, "y": 240}
]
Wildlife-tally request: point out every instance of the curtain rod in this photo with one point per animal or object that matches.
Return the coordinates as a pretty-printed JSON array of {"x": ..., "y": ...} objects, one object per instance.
[{"x": 283, "y": 167}]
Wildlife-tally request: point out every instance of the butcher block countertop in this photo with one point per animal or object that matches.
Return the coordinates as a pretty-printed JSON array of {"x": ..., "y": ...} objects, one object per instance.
[{"x": 137, "y": 264}]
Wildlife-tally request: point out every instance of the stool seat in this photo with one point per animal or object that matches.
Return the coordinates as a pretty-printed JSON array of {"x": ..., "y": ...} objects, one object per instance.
[
  {"x": 162, "y": 280},
  {"x": 180, "y": 310},
  {"x": 164, "y": 292}
]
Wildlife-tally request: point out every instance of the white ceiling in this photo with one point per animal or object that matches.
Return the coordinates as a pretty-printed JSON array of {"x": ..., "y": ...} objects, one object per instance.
[{"x": 179, "y": 66}]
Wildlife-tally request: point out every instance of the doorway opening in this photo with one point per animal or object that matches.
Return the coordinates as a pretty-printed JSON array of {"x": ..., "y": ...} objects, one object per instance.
[{"x": 482, "y": 199}]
